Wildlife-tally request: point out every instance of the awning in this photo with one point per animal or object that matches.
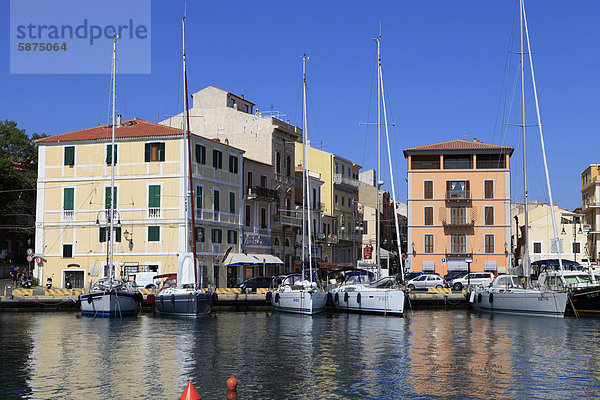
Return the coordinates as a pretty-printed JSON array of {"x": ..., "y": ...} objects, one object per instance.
[
  {"x": 238, "y": 259},
  {"x": 266, "y": 259}
]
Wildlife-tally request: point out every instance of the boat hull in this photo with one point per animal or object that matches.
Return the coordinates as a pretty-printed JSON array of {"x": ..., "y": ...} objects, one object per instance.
[
  {"x": 585, "y": 300},
  {"x": 299, "y": 301},
  {"x": 109, "y": 304},
  {"x": 370, "y": 301},
  {"x": 183, "y": 303},
  {"x": 527, "y": 302}
]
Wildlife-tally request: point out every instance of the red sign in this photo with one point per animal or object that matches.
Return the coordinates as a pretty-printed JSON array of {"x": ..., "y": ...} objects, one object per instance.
[
  {"x": 368, "y": 253},
  {"x": 38, "y": 260},
  {"x": 30, "y": 258},
  {"x": 29, "y": 252}
]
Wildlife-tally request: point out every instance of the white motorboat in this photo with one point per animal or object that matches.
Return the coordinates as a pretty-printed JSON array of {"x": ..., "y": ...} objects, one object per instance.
[
  {"x": 300, "y": 296},
  {"x": 357, "y": 293}
]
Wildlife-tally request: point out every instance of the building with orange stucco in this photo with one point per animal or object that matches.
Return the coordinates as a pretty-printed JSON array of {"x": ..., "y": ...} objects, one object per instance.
[{"x": 459, "y": 207}]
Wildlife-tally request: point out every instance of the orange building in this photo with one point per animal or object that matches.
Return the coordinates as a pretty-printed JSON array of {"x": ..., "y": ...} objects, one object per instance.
[{"x": 459, "y": 207}]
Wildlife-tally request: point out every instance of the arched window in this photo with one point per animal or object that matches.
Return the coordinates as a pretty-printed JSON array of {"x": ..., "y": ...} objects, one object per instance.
[
  {"x": 278, "y": 163},
  {"x": 276, "y": 243},
  {"x": 289, "y": 166},
  {"x": 287, "y": 242}
]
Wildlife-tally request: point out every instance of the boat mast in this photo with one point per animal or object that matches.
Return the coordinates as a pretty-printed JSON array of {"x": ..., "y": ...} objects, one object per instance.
[
  {"x": 190, "y": 192},
  {"x": 526, "y": 261},
  {"x": 377, "y": 172},
  {"x": 112, "y": 163},
  {"x": 539, "y": 124},
  {"x": 305, "y": 181}
]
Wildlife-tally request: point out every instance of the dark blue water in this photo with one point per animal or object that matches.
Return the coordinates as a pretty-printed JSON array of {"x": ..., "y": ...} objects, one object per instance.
[{"x": 427, "y": 354}]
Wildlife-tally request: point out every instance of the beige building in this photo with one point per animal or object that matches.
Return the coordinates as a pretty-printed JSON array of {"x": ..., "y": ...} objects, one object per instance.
[
  {"x": 459, "y": 206},
  {"x": 216, "y": 113},
  {"x": 318, "y": 239},
  {"x": 590, "y": 207},
  {"x": 73, "y": 197}
]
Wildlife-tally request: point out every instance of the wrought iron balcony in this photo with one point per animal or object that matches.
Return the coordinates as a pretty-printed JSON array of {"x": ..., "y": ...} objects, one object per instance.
[
  {"x": 458, "y": 223},
  {"x": 339, "y": 179},
  {"x": 287, "y": 220},
  {"x": 261, "y": 193},
  {"x": 458, "y": 195}
]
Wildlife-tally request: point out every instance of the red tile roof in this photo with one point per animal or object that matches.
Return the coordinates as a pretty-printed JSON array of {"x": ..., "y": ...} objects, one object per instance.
[{"x": 458, "y": 145}]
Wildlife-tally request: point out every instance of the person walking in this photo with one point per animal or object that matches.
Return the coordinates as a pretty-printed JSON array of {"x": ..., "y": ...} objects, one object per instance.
[{"x": 13, "y": 274}]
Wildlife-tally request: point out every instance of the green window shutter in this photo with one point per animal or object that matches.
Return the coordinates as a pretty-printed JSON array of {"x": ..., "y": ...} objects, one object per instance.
[
  {"x": 154, "y": 233},
  {"x": 199, "y": 197},
  {"x": 102, "y": 234},
  {"x": 154, "y": 196},
  {"x": 70, "y": 155},
  {"x": 117, "y": 234},
  {"x": 147, "y": 149},
  {"x": 161, "y": 151},
  {"x": 68, "y": 200},
  {"x": 107, "y": 198},
  {"x": 109, "y": 154},
  {"x": 216, "y": 201},
  {"x": 232, "y": 203}
]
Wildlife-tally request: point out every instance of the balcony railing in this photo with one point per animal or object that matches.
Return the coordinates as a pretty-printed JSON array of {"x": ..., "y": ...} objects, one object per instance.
[
  {"x": 457, "y": 253},
  {"x": 154, "y": 212},
  {"x": 288, "y": 180},
  {"x": 591, "y": 203},
  {"x": 458, "y": 195},
  {"x": 68, "y": 215},
  {"x": 287, "y": 220},
  {"x": 261, "y": 193},
  {"x": 458, "y": 223},
  {"x": 339, "y": 179}
]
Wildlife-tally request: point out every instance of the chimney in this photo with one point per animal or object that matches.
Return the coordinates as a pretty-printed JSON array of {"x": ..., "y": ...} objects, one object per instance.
[
  {"x": 242, "y": 95},
  {"x": 118, "y": 120}
]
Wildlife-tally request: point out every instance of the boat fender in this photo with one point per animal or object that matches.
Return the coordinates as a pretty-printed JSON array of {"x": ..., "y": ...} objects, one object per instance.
[
  {"x": 336, "y": 298},
  {"x": 358, "y": 298},
  {"x": 89, "y": 299},
  {"x": 215, "y": 298},
  {"x": 479, "y": 298},
  {"x": 150, "y": 299},
  {"x": 346, "y": 297},
  {"x": 276, "y": 297},
  {"x": 491, "y": 297},
  {"x": 269, "y": 296},
  {"x": 173, "y": 300}
]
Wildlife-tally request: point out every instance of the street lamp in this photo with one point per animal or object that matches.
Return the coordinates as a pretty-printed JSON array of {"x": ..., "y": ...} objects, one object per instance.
[{"x": 469, "y": 260}]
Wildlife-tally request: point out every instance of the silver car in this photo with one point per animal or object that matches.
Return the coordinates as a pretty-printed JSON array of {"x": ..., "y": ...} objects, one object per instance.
[{"x": 426, "y": 281}]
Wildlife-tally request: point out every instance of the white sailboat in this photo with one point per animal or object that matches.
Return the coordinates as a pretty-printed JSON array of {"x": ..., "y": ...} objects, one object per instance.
[
  {"x": 184, "y": 296},
  {"x": 507, "y": 294},
  {"x": 386, "y": 295},
  {"x": 298, "y": 293},
  {"x": 110, "y": 297}
]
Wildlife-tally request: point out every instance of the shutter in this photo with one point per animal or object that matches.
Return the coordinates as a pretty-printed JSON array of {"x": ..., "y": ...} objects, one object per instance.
[
  {"x": 467, "y": 189},
  {"x": 108, "y": 154},
  {"x": 69, "y": 155},
  {"x": 232, "y": 203},
  {"x": 198, "y": 153},
  {"x": 68, "y": 200},
  {"x": 154, "y": 196},
  {"x": 102, "y": 234},
  {"x": 161, "y": 151},
  {"x": 107, "y": 198},
  {"x": 215, "y": 162},
  {"x": 203, "y": 154},
  {"x": 216, "y": 201},
  {"x": 199, "y": 197},
  {"x": 147, "y": 150},
  {"x": 153, "y": 233},
  {"x": 117, "y": 234}
]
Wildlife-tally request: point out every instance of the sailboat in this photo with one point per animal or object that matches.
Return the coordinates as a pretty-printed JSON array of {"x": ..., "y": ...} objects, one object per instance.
[
  {"x": 298, "y": 293},
  {"x": 356, "y": 293},
  {"x": 182, "y": 295},
  {"x": 508, "y": 294},
  {"x": 110, "y": 297}
]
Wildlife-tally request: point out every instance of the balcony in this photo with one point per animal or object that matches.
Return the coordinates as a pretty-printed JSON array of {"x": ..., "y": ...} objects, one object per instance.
[
  {"x": 340, "y": 180},
  {"x": 457, "y": 253},
  {"x": 287, "y": 220},
  {"x": 458, "y": 195},
  {"x": 68, "y": 215},
  {"x": 261, "y": 194},
  {"x": 590, "y": 204},
  {"x": 287, "y": 180},
  {"x": 154, "y": 212},
  {"x": 458, "y": 223}
]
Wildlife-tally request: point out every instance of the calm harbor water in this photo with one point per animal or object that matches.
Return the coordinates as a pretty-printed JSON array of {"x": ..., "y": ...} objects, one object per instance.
[{"x": 427, "y": 354}]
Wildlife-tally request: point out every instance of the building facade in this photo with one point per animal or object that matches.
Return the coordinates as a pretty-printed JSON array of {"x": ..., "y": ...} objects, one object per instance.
[
  {"x": 74, "y": 196},
  {"x": 459, "y": 207},
  {"x": 590, "y": 207}
]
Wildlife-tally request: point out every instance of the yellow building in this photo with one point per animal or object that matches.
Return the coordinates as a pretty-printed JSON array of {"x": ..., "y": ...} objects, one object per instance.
[
  {"x": 73, "y": 195},
  {"x": 590, "y": 207},
  {"x": 459, "y": 206},
  {"x": 339, "y": 195}
]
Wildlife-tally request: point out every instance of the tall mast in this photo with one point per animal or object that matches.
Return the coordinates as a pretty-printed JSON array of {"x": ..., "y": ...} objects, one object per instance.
[
  {"x": 526, "y": 263},
  {"x": 112, "y": 161},
  {"x": 190, "y": 192},
  {"x": 304, "y": 170},
  {"x": 377, "y": 172}
]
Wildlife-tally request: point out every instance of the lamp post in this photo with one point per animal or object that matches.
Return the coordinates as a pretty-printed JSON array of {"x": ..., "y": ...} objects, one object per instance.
[{"x": 469, "y": 260}]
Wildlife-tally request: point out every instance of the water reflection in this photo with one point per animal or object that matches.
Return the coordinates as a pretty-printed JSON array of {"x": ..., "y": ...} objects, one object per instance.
[{"x": 426, "y": 354}]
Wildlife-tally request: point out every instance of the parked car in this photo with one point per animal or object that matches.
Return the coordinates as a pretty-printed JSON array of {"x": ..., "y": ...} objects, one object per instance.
[
  {"x": 251, "y": 284},
  {"x": 474, "y": 278},
  {"x": 426, "y": 281},
  {"x": 411, "y": 275},
  {"x": 454, "y": 274}
]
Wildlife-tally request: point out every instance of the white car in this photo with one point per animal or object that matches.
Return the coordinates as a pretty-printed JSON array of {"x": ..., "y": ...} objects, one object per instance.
[
  {"x": 474, "y": 278},
  {"x": 426, "y": 281}
]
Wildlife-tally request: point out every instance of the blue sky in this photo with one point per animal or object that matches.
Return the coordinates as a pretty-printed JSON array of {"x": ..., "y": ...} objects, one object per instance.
[{"x": 444, "y": 68}]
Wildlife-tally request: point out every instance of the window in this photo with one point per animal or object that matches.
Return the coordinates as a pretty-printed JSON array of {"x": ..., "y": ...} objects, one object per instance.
[
  {"x": 233, "y": 164},
  {"x": 200, "y": 154},
  {"x": 278, "y": 163},
  {"x": 247, "y": 215},
  {"x": 336, "y": 199},
  {"x": 154, "y": 152},
  {"x": 489, "y": 215},
  {"x": 537, "y": 247},
  {"x": 200, "y": 234},
  {"x": 199, "y": 195},
  {"x": 70, "y": 155},
  {"x": 231, "y": 237},
  {"x": 107, "y": 197},
  {"x": 337, "y": 168},
  {"x": 263, "y": 218},
  {"x": 216, "y": 200},
  {"x": 232, "y": 203},
  {"x": 287, "y": 242},
  {"x": 69, "y": 194},
  {"x": 276, "y": 242},
  {"x": 263, "y": 181},
  {"x": 491, "y": 161},
  {"x": 461, "y": 161},
  {"x": 343, "y": 169},
  {"x": 576, "y": 248},
  {"x": 458, "y": 215},
  {"x": 425, "y": 162},
  {"x": 154, "y": 196},
  {"x": 215, "y": 235},
  {"x": 365, "y": 224},
  {"x": 249, "y": 183},
  {"x": 458, "y": 243},
  {"x": 428, "y": 190},
  {"x": 428, "y": 211},
  {"x": 428, "y": 248},
  {"x": 489, "y": 189},
  {"x": 154, "y": 233},
  {"x": 108, "y": 154},
  {"x": 343, "y": 201},
  {"x": 246, "y": 108},
  {"x": 67, "y": 251},
  {"x": 103, "y": 238},
  {"x": 458, "y": 190},
  {"x": 288, "y": 166},
  {"x": 217, "y": 159},
  {"x": 489, "y": 244}
]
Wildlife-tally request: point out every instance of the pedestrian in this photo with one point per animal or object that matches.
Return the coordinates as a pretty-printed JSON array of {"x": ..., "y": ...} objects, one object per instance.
[
  {"x": 13, "y": 277},
  {"x": 17, "y": 277}
]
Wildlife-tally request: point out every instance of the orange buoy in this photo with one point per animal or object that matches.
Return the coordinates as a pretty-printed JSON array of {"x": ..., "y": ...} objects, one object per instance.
[
  {"x": 232, "y": 383},
  {"x": 190, "y": 393}
]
